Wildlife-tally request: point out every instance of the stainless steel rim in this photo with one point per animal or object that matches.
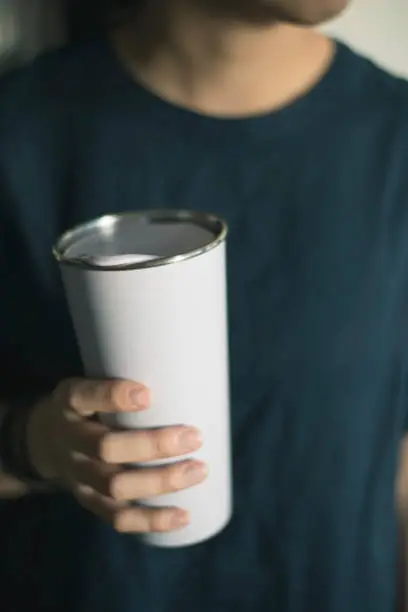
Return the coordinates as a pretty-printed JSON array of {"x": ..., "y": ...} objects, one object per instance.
[{"x": 207, "y": 221}]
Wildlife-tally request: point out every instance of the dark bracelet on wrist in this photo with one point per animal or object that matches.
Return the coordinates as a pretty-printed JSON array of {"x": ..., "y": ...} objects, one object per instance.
[{"x": 14, "y": 455}]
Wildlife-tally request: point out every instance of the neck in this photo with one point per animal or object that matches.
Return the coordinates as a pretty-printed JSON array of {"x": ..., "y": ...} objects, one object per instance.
[{"x": 220, "y": 67}]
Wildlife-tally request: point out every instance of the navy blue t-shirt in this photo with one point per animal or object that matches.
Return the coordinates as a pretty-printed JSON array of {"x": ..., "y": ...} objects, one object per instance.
[{"x": 316, "y": 197}]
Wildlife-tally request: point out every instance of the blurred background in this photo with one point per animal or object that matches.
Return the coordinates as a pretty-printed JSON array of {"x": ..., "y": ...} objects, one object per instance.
[
  {"x": 375, "y": 27},
  {"x": 29, "y": 26}
]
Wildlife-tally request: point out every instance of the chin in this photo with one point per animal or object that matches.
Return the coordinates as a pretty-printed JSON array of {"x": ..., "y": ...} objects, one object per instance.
[
  {"x": 299, "y": 12},
  {"x": 307, "y": 12}
]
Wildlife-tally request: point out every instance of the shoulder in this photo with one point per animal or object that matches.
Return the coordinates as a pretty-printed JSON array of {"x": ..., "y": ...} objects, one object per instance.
[
  {"x": 370, "y": 87},
  {"x": 39, "y": 105},
  {"x": 60, "y": 70},
  {"x": 373, "y": 116},
  {"x": 386, "y": 101},
  {"x": 379, "y": 135}
]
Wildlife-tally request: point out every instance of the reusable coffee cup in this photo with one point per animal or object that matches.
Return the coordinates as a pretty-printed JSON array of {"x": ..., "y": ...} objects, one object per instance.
[{"x": 148, "y": 300}]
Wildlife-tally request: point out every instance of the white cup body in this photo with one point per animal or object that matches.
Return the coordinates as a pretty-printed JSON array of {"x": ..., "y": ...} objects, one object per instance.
[{"x": 166, "y": 326}]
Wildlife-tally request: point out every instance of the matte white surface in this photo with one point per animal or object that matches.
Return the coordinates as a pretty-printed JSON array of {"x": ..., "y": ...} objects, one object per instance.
[{"x": 166, "y": 326}]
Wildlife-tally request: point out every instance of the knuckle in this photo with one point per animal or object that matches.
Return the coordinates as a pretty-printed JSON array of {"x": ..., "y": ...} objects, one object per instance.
[
  {"x": 72, "y": 390},
  {"x": 158, "y": 521},
  {"x": 171, "y": 479},
  {"x": 62, "y": 393},
  {"x": 118, "y": 522},
  {"x": 162, "y": 442},
  {"x": 84, "y": 493},
  {"x": 117, "y": 486},
  {"x": 124, "y": 521},
  {"x": 106, "y": 448},
  {"x": 75, "y": 400},
  {"x": 116, "y": 392},
  {"x": 75, "y": 394}
]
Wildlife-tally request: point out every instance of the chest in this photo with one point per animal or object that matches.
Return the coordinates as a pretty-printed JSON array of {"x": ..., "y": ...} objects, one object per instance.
[
  {"x": 316, "y": 254},
  {"x": 316, "y": 244}
]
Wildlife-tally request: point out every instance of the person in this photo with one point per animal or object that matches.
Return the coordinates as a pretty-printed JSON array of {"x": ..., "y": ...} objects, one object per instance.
[{"x": 240, "y": 108}]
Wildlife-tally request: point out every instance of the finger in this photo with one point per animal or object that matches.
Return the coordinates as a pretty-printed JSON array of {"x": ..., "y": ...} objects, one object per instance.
[
  {"x": 149, "y": 520},
  {"x": 95, "y": 440},
  {"x": 86, "y": 437},
  {"x": 130, "y": 485},
  {"x": 99, "y": 477},
  {"x": 148, "y": 482},
  {"x": 88, "y": 396},
  {"x": 137, "y": 519}
]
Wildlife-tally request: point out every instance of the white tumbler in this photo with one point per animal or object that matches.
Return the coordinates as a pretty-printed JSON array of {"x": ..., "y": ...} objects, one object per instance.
[{"x": 148, "y": 299}]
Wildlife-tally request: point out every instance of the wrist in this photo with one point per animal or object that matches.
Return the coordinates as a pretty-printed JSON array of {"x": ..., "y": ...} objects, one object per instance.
[
  {"x": 37, "y": 437},
  {"x": 14, "y": 453}
]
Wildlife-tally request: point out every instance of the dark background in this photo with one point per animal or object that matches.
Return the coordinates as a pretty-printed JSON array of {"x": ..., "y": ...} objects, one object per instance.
[{"x": 86, "y": 17}]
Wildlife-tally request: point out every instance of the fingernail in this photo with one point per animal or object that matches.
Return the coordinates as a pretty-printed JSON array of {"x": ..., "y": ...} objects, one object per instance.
[
  {"x": 194, "y": 473},
  {"x": 180, "y": 518},
  {"x": 189, "y": 439},
  {"x": 140, "y": 398}
]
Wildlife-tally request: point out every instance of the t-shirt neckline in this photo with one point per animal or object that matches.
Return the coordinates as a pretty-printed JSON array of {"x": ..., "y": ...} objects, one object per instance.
[{"x": 298, "y": 113}]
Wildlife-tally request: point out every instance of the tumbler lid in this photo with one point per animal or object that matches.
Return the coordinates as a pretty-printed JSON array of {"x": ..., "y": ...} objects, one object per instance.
[{"x": 162, "y": 237}]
